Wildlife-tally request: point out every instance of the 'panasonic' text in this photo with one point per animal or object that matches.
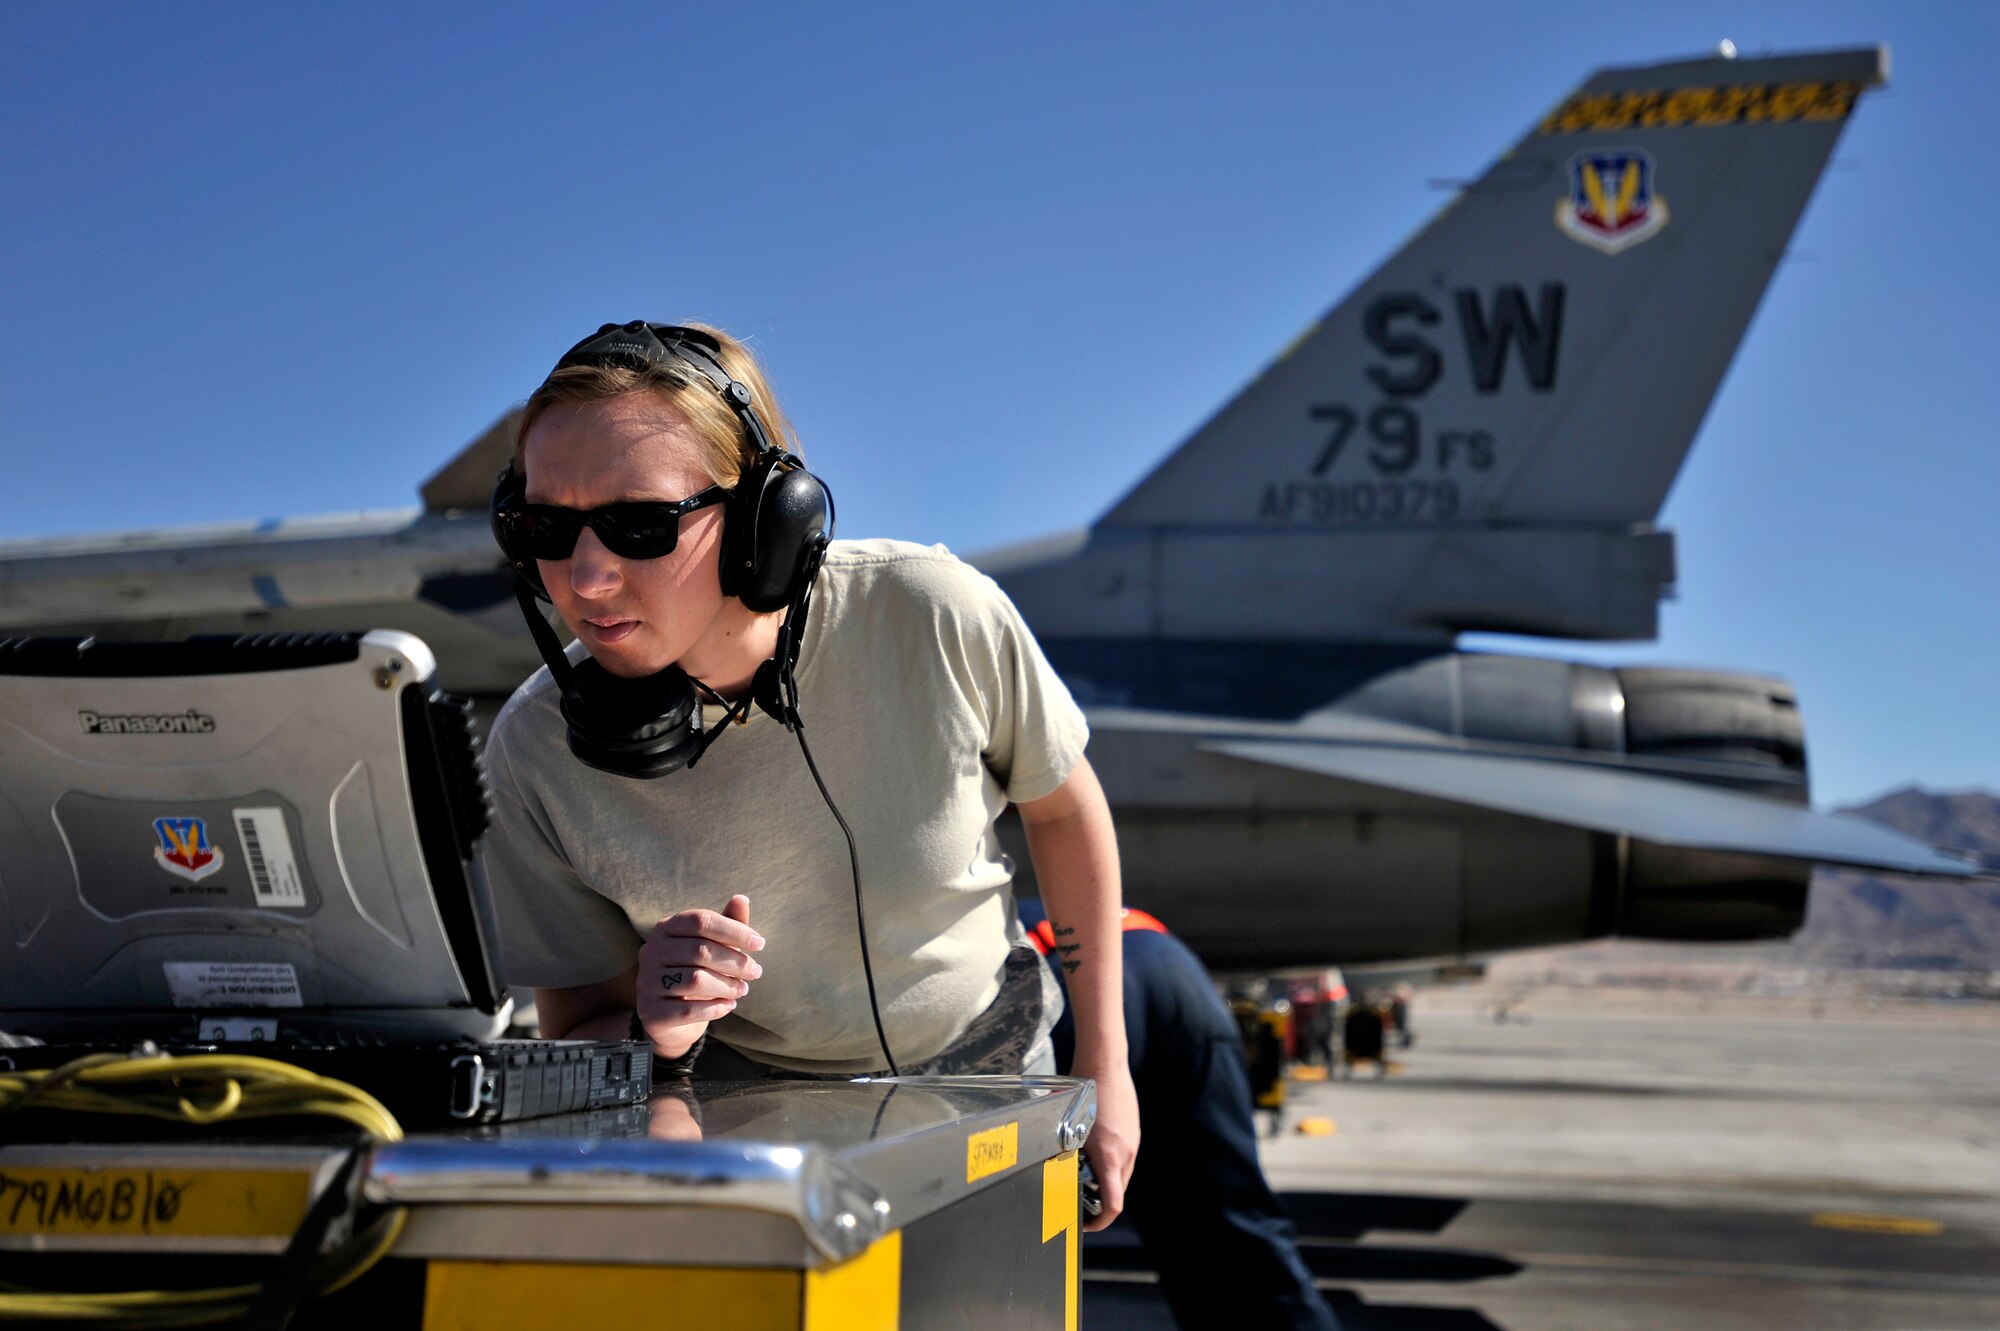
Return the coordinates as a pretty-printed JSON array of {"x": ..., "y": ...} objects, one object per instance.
[{"x": 189, "y": 722}]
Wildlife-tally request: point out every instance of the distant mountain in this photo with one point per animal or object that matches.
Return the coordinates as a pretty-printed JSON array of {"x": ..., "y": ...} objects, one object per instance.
[{"x": 1868, "y": 920}]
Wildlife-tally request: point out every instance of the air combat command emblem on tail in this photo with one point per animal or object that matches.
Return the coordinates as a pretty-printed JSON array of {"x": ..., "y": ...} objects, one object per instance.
[{"x": 1612, "y": 203}]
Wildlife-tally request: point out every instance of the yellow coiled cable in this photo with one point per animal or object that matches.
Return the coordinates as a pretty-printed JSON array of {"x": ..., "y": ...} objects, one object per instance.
[{"x": 200, "y": 1089}]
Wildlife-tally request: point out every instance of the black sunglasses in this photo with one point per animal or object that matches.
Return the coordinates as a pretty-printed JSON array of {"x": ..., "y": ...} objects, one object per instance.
[{"x": 640, "y": 529}]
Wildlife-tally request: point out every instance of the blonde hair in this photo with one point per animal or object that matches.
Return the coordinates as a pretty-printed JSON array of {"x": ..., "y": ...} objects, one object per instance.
[{"x": 726, "y": 445}]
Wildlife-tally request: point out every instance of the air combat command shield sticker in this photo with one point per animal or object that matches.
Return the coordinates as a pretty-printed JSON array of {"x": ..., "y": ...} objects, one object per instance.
[
  {"x": 1612, "y": 203},
  {"x": 184, "y": 848}
]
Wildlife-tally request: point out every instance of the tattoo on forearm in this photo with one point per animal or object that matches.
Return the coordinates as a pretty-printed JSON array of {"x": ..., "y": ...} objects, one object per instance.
[
  {"x": 672, "y": 979},
  {"x": 1071, "y": 962}
]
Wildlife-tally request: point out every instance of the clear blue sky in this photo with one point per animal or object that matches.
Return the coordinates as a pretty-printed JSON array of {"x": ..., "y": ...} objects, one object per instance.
[{"x": 267, "y": 259}]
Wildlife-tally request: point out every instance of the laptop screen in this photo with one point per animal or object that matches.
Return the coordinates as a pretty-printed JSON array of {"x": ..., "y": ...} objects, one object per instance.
[{"x": 248, "y": 835}]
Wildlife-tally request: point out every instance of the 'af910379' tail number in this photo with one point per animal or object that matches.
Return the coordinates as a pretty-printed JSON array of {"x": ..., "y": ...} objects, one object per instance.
[{"x": 1360, "y": 501}]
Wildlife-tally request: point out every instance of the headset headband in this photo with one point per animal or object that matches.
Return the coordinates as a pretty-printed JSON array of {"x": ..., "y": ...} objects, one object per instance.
[{"x": 639, "y": 344}]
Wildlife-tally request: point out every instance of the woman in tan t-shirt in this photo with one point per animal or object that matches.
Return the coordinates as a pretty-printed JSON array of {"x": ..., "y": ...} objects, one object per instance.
[{"x": 630, "y": 427}]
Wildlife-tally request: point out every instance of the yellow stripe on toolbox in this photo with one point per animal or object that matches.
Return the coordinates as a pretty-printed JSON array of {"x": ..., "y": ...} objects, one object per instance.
[
  {"x": 863, "y": 1293},
  {"x": 121, "y": 1202},
  {"x": 1060, "y": 1216},
  {"x": 989, "y": 1152},
  {"x": 535, "y": 1296}
]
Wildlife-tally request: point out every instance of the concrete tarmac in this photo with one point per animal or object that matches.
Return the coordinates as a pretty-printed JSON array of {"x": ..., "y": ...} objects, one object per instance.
[{"x": 1599, "y": 1161}]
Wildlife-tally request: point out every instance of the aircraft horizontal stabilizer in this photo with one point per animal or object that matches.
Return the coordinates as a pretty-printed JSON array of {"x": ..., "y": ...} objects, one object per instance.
[{"x": 1652, "y": 808}]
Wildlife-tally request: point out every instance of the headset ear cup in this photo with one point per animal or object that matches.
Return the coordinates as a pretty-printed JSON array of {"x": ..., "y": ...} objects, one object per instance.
[
  {"x": 739, "y": 524},
  {"x": 793, "y": 514},
  {"x": 644, "y": 727},
  {"x": 508, "y": 495}
]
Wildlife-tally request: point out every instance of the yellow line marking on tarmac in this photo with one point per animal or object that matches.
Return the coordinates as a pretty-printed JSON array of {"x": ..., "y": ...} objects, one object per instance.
[
  {"x": 1943, "y": 1287},
  {"x": 1293, "y": 1173},
  {"x": 1816, "y": 1275},
  {"x": 1969, "y": 1287},
  {"x": 1941, "y": 1283},
  {"x": 1862, "y": 1222}
]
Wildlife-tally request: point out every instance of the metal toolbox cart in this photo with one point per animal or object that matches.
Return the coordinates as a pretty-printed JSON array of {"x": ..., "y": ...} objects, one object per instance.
[{"x": 911, "y": 1202}]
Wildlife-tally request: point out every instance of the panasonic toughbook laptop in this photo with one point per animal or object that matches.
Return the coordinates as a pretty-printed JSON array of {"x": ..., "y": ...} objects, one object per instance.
[{"x": 267, "y": 840}]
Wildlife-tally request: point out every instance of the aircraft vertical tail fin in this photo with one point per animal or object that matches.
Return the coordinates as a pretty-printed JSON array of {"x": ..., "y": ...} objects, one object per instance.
[
  {"x": 1536, "y": 359},
  {"x": 466, "y": 482}
]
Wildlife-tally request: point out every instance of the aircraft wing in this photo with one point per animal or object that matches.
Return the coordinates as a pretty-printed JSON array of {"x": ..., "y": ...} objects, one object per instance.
[
  {"x": 1602, "y": 798},
  {"x": 434, "y": 572}
]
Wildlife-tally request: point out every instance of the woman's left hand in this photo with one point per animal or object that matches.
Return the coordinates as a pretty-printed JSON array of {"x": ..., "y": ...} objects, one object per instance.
[{"x": 1114, "y": 1141}]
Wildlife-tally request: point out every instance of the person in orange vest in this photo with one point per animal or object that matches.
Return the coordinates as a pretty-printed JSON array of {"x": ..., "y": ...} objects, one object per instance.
[{"x": 1223, "y": 1244}]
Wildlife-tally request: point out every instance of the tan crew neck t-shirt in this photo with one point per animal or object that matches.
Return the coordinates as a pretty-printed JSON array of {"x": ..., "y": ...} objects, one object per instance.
[{"x": 928, "y": 706}]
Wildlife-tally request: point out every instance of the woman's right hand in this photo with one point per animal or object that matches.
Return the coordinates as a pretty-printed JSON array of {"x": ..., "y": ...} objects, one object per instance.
[{"x": 693, "y": 969}]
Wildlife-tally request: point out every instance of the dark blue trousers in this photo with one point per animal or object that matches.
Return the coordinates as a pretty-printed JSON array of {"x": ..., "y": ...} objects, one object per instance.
[{"x": 1224, "y": 1246}]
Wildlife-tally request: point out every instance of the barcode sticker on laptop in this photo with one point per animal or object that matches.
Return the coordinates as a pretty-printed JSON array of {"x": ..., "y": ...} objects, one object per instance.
[{"x": 267, "y": 849}]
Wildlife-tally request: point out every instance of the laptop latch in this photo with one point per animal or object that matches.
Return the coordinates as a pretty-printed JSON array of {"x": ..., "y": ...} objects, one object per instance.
[
  {"x": 239, "y": 1030},
  {"x": 473, "y": 1088}
]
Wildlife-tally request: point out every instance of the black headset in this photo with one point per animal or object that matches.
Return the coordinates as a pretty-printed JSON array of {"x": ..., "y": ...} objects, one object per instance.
[
  {"x": 777, "y": 524},
  {"x": 778, "y": 509}
]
